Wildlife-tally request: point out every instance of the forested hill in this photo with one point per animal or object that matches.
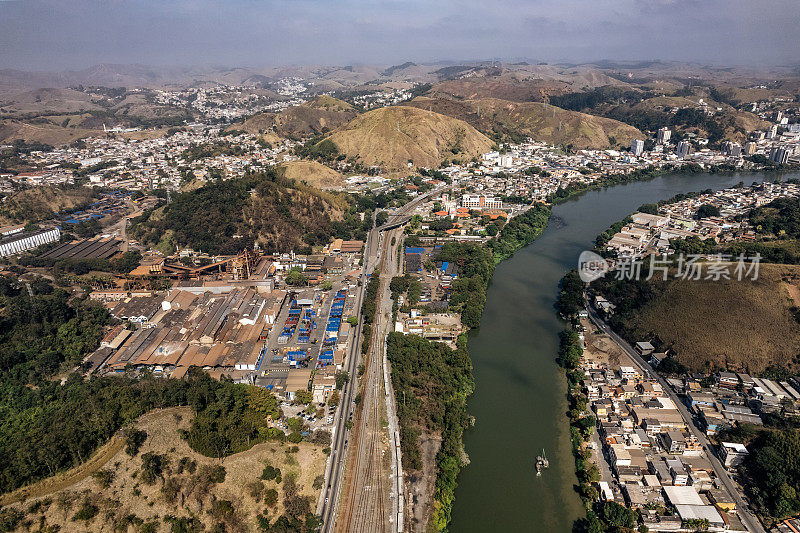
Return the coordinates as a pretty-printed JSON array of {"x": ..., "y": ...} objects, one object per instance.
[{"x": 226, "y": 216}]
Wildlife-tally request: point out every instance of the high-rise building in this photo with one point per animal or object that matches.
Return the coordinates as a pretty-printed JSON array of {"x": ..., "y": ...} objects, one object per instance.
[
  {"x": 663, "y": 136},
  {"x": 683, "y": 149},
  {"x": 732, "y": 149},
  {"x": 779, "y": 155},
  {"x": 773, "y": 132},
  {"x": 750, "y": 148},
  {"x": 637, "y": 147}
]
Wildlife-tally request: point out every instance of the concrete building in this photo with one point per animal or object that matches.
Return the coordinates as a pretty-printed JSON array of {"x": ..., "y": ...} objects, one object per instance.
[
  {"x": 474, "y": 201},
  {"x": 732, "y": 149},
  {"x": 733, "y": 453},
  {"x": 779, "y": 155},
  {"x": 683, "y": 149},
  {"x": 637, "y": 147},
  {"x": 27, "y": 240},
  {"x": 663, "y": 136}
]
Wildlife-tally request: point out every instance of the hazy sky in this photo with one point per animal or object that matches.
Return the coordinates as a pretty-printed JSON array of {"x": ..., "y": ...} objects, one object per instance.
[{"x": 69, "y": 34}]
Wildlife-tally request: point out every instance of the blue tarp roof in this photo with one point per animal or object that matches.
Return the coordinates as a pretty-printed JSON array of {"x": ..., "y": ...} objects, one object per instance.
[{"x": 445, "y": 264}]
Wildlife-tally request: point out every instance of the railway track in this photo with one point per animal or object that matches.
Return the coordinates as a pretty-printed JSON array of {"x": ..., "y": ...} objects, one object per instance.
[
  {"x": 360, "y": 495},
  {"x": 365, "y": 497}
]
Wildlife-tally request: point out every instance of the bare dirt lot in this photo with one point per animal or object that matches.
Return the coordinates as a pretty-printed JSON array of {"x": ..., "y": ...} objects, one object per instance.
[{"x": 421, "y": 486}]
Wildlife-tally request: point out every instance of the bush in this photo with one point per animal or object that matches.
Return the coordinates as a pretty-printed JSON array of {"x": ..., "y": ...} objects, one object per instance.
[
  {"x": 134, "y": 439},
  {"x": 86, "y": 512},
  {"x": 103, "y": 478},
  {"x": 153, "y": 466},
  {"x": 269, "y": 473},
  {"x": 271, "y": 497}
]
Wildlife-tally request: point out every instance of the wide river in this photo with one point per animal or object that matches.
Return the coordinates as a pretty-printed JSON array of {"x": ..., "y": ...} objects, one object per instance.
[{"x": 519, "y": 402}]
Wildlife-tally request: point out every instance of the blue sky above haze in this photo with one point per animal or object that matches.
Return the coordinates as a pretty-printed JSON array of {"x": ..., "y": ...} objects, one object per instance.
[{"x": 70, "y": 34}]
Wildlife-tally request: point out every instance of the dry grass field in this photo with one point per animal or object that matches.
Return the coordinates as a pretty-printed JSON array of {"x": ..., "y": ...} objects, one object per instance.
[
  {"x": 392, "y": 136},
  {"x": 128, "y": 503},
  {"x": 313, "y": 173},
  {"x": 733, "y": 324}
]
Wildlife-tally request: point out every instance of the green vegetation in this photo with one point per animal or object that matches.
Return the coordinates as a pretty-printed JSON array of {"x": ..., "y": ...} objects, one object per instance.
[
  {"x": 780, "y": 217},
  {"x": 86, "y": 512},
  {"x": 296, "y": 278},
  {"x": 431, "y": 383},
  {"x": 772, "y": 469},
  {"x": 47, "y": 426},
  {"x": 213, "y": 149},
  {"x": 570, "y": 299},
  {"x": 368, "y": 308},
  {"x": 468, "y": 291},
  {"x": 134, "y": 439},
  {"x": 781, "y": 251},
  {"x": 588, "y": 100},
  {"x": 520, "y": 232},
  {"x": 646, "y": 111},
  {"x": 406, "y": 283},
  {"x": 224, "y": 217},
  {"x": 42, "y": 335},
  {"x": 707, "y": 210}
]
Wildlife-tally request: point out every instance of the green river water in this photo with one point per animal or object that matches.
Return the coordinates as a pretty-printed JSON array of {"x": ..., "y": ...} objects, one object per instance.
[{"x": 519, "y": 402}]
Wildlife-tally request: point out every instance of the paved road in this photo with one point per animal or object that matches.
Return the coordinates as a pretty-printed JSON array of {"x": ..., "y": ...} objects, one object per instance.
[{"x": 750, "y": 522}]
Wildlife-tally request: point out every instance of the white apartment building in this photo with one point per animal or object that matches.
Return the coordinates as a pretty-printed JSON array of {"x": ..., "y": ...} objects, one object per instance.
[{"x": 474, "y": 201}]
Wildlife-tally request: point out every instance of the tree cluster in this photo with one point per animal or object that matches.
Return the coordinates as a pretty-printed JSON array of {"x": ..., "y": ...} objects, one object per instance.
[{"x": 432, "y": 383}]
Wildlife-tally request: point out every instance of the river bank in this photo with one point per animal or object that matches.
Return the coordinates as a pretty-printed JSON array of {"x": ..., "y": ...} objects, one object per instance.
[
  {"x": 419, "y": 365},
  {"x": 520, "y": 399}
]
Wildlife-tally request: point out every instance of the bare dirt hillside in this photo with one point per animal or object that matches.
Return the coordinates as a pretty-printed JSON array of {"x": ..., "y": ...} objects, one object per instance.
[
  {"x": 319, "y": 115},
  {"x": 330, "y": 103},
  {"x": 533, "y": 119},
  {"x": 313, "y": 173},
  {"x": 554, "y": 125},
  {"x": 46, "y": 132},
  {"x": 504, "y": 87},
  {"x": 41, "y": 100},
  {"x": 392, "y": 137},
  {"x": 39, "y": 203}
]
